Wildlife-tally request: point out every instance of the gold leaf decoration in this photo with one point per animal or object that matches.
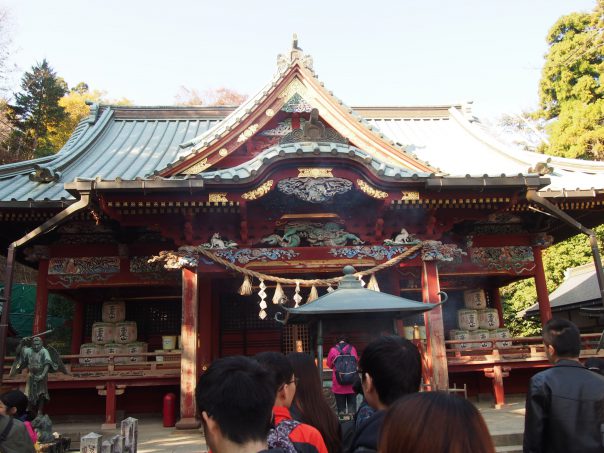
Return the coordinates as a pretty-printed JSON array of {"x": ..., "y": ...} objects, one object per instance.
[
  {"x": 295, "y": 86},
  {"x": 247, "y": 133},
  {"x": 223, "y": 152},
  {"x": 315, "y": 173},
  {"x": 409, "y": 195},
  {"x": 259, "y": 191},
  {"x": 269, "y": 112},
  {"x": 371, "y": 191},
  {"x": 218, "y": 197},
  {"x": 197, "y": 168}
]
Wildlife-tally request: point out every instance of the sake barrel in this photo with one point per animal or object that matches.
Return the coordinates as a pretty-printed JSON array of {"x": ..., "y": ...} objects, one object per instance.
[
  {"x": 488, "y": 319},
  {"x": 136, "y": 347},
  {"x": 103, "y": 332},
  {"x": 88, "y": 349},
  {"x": 125, "y": 332},
  {"x": 116, "y": 348},
  {"x": 475, "y": 298},
  {"x": 467, "y": 319},
  {"x": 501, "y": 334},
  {"x": 114, "y": 311},
  {"x": 482, "y": 335},
  {"x": 168, "y": 342},
  {"x": 408, "y": 332},
  {"x": 456, "y": 334}
]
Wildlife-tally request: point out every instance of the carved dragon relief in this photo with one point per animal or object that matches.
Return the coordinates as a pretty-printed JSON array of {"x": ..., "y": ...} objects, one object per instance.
[{"x": 314, "y": 234}]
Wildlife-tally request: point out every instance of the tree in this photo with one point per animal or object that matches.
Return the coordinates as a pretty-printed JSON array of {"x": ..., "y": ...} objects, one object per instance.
[
  {"x": 217, "y": 96},
  {"x": 36, "y": 113},
  {"x": 556, "y": 259},
  {"x": 571, "y": 90},
  {"x": 76, "y": 109},
  {"x": 6, "y": 68}
]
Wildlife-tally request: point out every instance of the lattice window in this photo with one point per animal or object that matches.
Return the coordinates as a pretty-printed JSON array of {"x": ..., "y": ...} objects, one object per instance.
[
  {"x": 241, "y": 312},
  {"x": 296, "y": 339}
]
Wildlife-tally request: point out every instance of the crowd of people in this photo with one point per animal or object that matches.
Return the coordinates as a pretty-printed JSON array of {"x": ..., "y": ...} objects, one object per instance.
[{"x": 275, "y": 403}]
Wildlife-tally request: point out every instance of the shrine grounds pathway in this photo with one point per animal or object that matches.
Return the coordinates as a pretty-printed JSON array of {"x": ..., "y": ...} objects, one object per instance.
[{"x": 506, "y": 426}]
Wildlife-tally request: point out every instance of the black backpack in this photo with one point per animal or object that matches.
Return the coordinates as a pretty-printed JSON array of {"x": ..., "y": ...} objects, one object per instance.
[{"x": 345, "y": 365}]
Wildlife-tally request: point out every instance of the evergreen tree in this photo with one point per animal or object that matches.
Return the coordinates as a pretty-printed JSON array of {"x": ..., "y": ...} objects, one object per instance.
[
  {"x": 571, "y": 89},
  {"x": 36, "y": 113}
]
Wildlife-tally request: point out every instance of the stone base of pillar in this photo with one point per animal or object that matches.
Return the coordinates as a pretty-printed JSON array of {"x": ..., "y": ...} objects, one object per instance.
[
  {"x": 107, "y": 426},
  {"x": 188, "y": 423}
]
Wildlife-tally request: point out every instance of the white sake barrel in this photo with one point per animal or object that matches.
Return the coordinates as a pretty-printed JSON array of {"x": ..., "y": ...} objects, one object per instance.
[
  {"x": 501, "y": 334},
  {"x": 88, "y": 349},
  {"x": 103, "y": 332},
  {"x": 115, "y": 348},
  {"x": 456, "y": 334},
  {"x": 136, "y": 348},
  {"x": 488, "y": 319},
  {"x": 125, "y": 332},
  {"x": 114, "y": 311},
  {"x": 159, "y": 358},
  {"x": 408, "y": 332},
  {"x": 467, "y": 319},
  {"x": 475, "y": 298},
  {"x": 168, "y": 342},
  {"x": 482, "y": 335}
]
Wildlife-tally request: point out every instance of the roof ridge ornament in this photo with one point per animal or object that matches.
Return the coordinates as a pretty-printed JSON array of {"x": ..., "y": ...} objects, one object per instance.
[{"x": 284, "y": 61}]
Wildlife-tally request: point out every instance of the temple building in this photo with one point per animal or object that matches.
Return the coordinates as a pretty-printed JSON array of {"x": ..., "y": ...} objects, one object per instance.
[{"x": 185, "y": 229}]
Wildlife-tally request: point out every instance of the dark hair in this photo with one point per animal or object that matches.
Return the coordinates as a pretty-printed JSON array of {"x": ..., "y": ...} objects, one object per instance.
[
  {"x": 564, "y": 336},
  {"x": 278, "y": 366},
  {"x": 395, "y": 366},
  {"x": 461, "y": 428},
  {"x": 16, "y": 399},
  {"x": 311, "y": 403},
  {"x": 239, "y": 395}
]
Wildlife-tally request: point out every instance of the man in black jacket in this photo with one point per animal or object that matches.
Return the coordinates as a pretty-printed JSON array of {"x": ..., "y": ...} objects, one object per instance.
[
  {"x": 565, "y": 403},
  {"x": 390, "y": 367}
]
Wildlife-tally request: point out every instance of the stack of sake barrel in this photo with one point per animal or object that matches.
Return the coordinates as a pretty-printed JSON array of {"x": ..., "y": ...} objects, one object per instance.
[
  {"x": 478, "y": 323},
  {"x": 113, "y": 335}
]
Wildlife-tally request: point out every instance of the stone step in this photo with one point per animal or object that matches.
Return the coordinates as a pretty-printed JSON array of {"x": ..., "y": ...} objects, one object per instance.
[
  {"x": 504, "y": 440},
  {"x": 509, "y": 449}
]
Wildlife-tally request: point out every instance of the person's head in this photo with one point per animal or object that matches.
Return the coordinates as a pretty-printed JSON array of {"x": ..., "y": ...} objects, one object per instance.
[
  {"x": 235, "y": 399},
  {"x": 310, "y": 400},
  {"x": 461, "y": 428},
  {"x": 390, "y": 367},
  {"x": 37, "y": 344},
  {"x": 15, "y": 403},
  {"x": 562, "y": 340},
  {"x": 283, "y": 376}
]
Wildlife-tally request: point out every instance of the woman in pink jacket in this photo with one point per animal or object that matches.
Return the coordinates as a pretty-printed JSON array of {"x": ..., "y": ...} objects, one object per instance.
[{"x": 345, "y": 396}]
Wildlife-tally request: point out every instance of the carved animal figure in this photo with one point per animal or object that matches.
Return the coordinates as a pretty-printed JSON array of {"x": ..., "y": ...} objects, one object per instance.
[{"x": 402, "y": 237}]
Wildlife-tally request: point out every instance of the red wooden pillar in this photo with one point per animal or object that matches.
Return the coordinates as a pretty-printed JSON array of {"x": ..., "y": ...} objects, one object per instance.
[
  {"x": 435, "y": 331},
  {"x": 545, "y": 310},
  {"x": 496, "y": 300},
  {"x": 110, "y": 405},
  {"x": 41, "y": 310},
  {"x": 77, "y": 326},
  {"x": 205, "y": 324},
  {"x": 188, "y": 361}
]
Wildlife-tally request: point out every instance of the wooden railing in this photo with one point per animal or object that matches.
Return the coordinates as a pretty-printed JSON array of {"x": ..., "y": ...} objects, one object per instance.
[
  {"x": 168, "y": 365},
  {"x": 517, "y": 349}
]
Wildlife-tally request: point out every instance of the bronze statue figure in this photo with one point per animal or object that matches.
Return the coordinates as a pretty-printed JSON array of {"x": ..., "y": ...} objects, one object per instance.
[{"x": 39, "y": 361}]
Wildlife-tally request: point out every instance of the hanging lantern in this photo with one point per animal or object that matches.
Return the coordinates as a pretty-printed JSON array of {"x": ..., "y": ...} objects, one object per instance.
[
  {"x": 313, "y": 294},
  {"x": 373, "y": 284},
  {"x": 279, "y": 294},
  {"x": 297, "y": 296},
  {"x": 246, "y": 286}
]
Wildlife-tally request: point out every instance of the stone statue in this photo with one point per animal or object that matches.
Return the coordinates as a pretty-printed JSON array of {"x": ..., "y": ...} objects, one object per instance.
[{"x": 39, "y": 361}]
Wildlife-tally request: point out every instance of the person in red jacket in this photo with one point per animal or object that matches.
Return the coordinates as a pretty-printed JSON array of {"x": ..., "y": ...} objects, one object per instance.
[{"x": 305, "y": 438}]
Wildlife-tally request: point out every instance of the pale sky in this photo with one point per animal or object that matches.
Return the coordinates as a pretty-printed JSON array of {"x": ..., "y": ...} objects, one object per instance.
[{"x": 399, "y": 52}]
